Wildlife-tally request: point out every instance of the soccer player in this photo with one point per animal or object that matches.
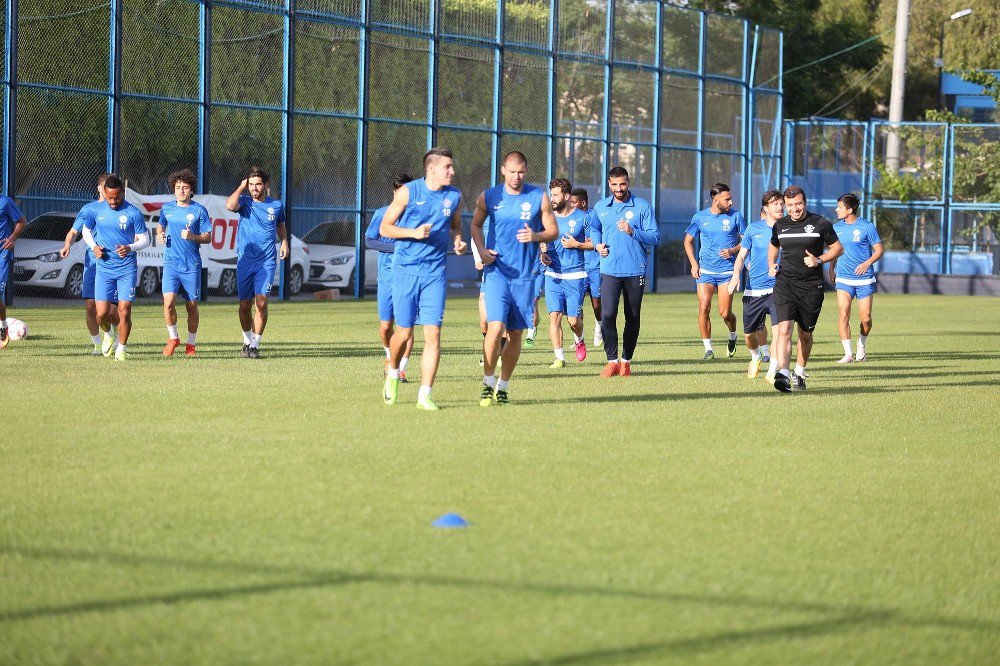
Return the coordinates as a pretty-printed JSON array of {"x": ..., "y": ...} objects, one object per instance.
[
  {"x": 261, "y": 217},
  {"x": 856, "y": 279},
  {"x": 622, "y": 230},
  {"x": 184, "y": 226},
  {"x": 425, "y": 214},
  {"x": 720, "y": 228},
  {"x": 114, "y": 232},
  {"x": 758, "y": 299},
  {"x": 565, "y": 277},
  {"x": 12, "y": 223},
  {"x": 89, "y": 271},
  {"x": 520, "y": 217},
  {"x": 591, "y": 263},
  {"x": 799, "y": 237},
  {"x": 385, "y": 247},
  {"x": 538, "y": 284}
]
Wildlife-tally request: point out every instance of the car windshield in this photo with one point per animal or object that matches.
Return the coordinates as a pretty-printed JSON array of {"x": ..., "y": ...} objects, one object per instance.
[
  {"x": 331, "y": 233},
  {"x": 48, "y": 227},
  {"x": 320, "y": 235}
]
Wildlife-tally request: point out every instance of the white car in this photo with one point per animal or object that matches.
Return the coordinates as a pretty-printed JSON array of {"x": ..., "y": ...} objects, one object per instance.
[
  {"x": 332, "y": 265},
  {"x": 36, "y": 256}
]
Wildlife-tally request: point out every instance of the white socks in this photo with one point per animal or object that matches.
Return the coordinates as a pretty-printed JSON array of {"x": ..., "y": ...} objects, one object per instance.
[
  {"x": 765, "y": 350},
  {"x": 387, "y": 352},
  {"x": 708, "y": 343},
  {"x": 502, "y": 385},
  {"x": 862, "y": 340},
  {"x": 800, "y": 370},
  {"x": 847, "y": 347},
  {"x": 254, "y": 340},
  {"x": 246, "y": 337},
  {"x": 403, "y": 362},
  {"x": 191, "y": 338},
  {"x": 531, "y": 332},
  {"x": 172, "y": 331},
  {"x": 754, "y": 355},
  {"x": 393, "y": 373},
  {"x": 490, "y": 380},
  {"x": 425, "y": 392},
  {"x": 577, "y": 338},
  {"x": 732, "y": 335},
  {"x": 560, "y": 354},
  {"x": 96, "y": 339}
]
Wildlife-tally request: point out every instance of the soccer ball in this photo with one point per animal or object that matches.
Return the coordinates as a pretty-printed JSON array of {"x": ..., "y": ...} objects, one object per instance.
[{"x": 16, "y": 329}]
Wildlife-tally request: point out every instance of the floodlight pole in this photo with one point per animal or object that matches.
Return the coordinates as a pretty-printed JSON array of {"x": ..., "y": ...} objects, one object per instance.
[{"x": 898, "y": 84}]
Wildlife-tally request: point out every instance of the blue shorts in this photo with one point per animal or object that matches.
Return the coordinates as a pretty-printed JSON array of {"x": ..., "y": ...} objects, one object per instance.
[
  {"x": 418, "y": 299},
  {"x": 113, "y": 286},
  {"x": 565, "y": 296},
  {"x": 756, "y": 309},
  {"x": 89, "y": 276},
  {"x": 187, "y": 283},
  {"x": 384, "y": 296},
  {"x": 511, "y": 302},
  {"x": 254, "y": 278},
  {"x": 539, "y": 285},
  {"x": 717, "y": 280},
  {"x": 5, "y": 264},
  {"x": 594, "y": 283},
  {"x": 858, "y": 291}
]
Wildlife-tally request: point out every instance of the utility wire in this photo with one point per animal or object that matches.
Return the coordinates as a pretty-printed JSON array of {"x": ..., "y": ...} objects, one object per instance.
[{"x": 827, "y": 57}]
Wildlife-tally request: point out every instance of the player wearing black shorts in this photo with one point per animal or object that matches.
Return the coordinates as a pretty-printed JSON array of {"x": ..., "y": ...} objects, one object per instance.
[{"x": 800, "y": 237}]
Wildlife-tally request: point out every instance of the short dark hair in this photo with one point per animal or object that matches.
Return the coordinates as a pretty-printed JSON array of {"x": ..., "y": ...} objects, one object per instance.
[
  {"x": 104, "y": 177},
  {"x": 562, "y": 184},
  {"x": 257, "y": 172},
  {"x": 518, "y": 154},
  {"x": 793, "y": 191},
  {"x": 718, "y": 189},
  {"x": 434, "y": 153},
  {"x": 113, "y": 182},
  {"x": 580, "y": 193},
  {"x": 769, "y": 196},
  {"x": 850, "y": 201},
  {"x": 618, "y": 172},
  {"x": 400, "y": 180},
  {"x": 183, "y": 176}
]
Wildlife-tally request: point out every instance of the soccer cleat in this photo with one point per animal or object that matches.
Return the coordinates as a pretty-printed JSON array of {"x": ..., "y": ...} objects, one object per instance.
[
  {"x": 581, "y": 351},
  {"x": 97, "y": 349},
  {"x": 402, "y": 378},
  {"x": 189, "y": 350},
  {"x": 121, "y": 355},
  {"x": 253, "y": 352},
  {"x": 500, "y": 397},
  {"x": 107, "y": 343},
  {"x": 246, "y": 352},
  {"x": 598, "y": 339},
  {"x": 486, "y": 396},
  {"x": 770, "y": 376},
  {"x": 625, "y": 370},
  {"x": 172, "y": 344},
  {"x": 610, "y": 370},
  {"x": 4, "y": 338},
  {"x": 425, "y": 403},
  {"x": 732, "y": 348},
  {"x": 754, "y": 370},
  {"x": 529, "y": 341},
  {"x": 766, "y": 360},
  {"x": 847, "y": 359},
  {"x": 862, "y": 354},
  {"x": 798, "y": 383},
  {"x": 709, "y": 355},
  {"x": 390, "y": 390},
  {"x": 558, "y": 363},
  {"x": 782, "y": 383}
]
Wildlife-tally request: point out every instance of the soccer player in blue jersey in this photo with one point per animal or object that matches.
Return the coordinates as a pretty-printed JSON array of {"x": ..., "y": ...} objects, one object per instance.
[
  {"x": 184, "y": 226},
  {"x": 758, "y": 299},
  {"x": 115, "y": 232},
  {"x": 623, "y": 230},
  {"x": 565, "y": 277},
  {"x": 261, "y": 218},
  {"x": 519, "y": 217},
  {"x": 720, "y": 228},
  {"x": 856, "y": 278},
  {"x": 89, "y": 272},
  {"x": 385, "y": 247},
  {"x": 591, "y": 263},
  {"x": 425, "y": 219},
  {"x": 538, "y": 275},
  {"x": 12, "y": 223}
]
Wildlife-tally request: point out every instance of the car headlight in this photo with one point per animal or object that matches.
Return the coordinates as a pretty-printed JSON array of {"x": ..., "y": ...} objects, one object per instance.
[
  {"x": 49, "y": 256},
  {"x": 339, "y": 261}
]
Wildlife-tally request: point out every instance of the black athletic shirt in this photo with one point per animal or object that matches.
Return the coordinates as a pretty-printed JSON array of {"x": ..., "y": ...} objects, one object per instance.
[{"x": 813, "y": 233}]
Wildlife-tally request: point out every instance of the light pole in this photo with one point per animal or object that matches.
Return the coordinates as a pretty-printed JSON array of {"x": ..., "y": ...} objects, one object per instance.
[{"x": 940, "y": 59}]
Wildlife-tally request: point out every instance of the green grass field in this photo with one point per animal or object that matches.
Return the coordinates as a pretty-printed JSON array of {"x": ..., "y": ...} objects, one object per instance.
[{"x": 223, "y": 511}]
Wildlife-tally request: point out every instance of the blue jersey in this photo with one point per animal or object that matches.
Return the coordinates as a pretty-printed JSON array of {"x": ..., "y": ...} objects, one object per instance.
[
  {"x": 756, "y": 240},
  {"x": 182, "y": 255},
  {"x": 113, "y": 227},
  {"x": 509, "y": 213},
  {"x": 858, "y": 240},
  {"x": 591, "y": 260},
  {"x": 427, "y": 256},
  {"x": 718, "y": 232},
  {"x": 86, "y": 213},
  {"x": 259, "y": 220},
  {"x": 626, "y": 254},
  {"x": 10, "y": 215},
  {"x": 384, "y": 258},
  {"x": 568, "y": 262}
]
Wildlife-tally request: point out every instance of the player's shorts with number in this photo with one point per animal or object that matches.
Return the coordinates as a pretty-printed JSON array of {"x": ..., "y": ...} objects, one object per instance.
[
  {"x": 115, "y": 285},
  {"x": 418, "y": 298},
  {"x": 186, "y": 283},
  {"x": 565, "y": 295},
  {"x": 253, "y": 278},
  {"x": 510, "y": 301}
]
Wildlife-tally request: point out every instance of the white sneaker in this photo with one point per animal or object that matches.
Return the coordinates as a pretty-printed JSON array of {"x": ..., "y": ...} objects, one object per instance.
[
  {"x": 598, "y": 339},
  {"x": 108, "y": 343},
  {"x": 862, "y": 354},
  {"x": 847, "y": 359}
]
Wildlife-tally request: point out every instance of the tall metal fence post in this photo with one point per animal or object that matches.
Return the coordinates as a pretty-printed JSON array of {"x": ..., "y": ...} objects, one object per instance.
[
  {"x": 287, "y": 138},
  {"x": 204, "y": 93},
  {"x": 948, "y": 159},
  {"x": 699, "y": 176},
  {"x": 749, "y": 109},
  {"x": 114, "y": 87},
  {"x": 433, "y": 73},
  {"x": 553, "y": 109},
  {"x": 361, "y": 175},
  {"x": 498, "y": 64},
  {"x": 609, "y": 27},
  {"x": 10, "y": 102},
  {"x": 655, "y": 162}
]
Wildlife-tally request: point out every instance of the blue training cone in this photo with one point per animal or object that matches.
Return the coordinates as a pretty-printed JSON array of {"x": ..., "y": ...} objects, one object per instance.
[{"x": 450, "y": 520}]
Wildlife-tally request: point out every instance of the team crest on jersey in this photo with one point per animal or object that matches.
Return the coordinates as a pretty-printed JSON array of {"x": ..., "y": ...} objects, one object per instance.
[
  {"x": 123, "y": 221},
  {"x": 629, "y": 215},
  {"x": 190, "y": 217},
  {"x": 270, "y": 214},
  {"x": 526, "y": 206},
  {"x": 725, "y": 224},
  {"x": 857, "y": 235},
  {"x": 809, "y": 228}
]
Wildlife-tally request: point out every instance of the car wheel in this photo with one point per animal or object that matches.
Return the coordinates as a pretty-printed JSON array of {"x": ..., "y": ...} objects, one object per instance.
[
  {"x": 227, "y": 282},
  {"x": 148, "y": 282},
  {"x": 74, "y": 282},
  {"x": 295, "y": 279}
]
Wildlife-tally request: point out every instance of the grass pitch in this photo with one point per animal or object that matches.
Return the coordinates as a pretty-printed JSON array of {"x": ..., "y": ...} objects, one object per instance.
[{"x": 218, "y": 510}]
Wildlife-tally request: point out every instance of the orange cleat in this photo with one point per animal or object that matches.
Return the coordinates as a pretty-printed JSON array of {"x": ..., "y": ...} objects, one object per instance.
[
  {"x": 625, "y": 370},
  {"x": 189, "y": 350},
  {"x": 172, "y": 344},
  {"x": 610, "y": 370},
  {"x": 402, "y": 378}
]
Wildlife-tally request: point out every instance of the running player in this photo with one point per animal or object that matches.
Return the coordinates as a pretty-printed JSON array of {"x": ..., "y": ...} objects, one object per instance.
[
  {"x": 114, "y": 232},
  {"x": 856, "y": 280},
  {"x": 12, "y": 223},
  {"x": 261, "y": 217},
  {"x": 538, "y": 284},
  {"x": 565, "y": 277},
  {"x": 591, "y": 263},
  {"x": 758, "y": 299},
  {"x": 385, "y": 246},
  {"x": 622, "y": 230},
  {"x": 520, "y": 217},
  {"x": 720, "y": 228},
  {"x": 800, "y": 237},
  {"x": 89, "y": 271},
  {"x": 184, "y": 226},
  {"x": 425, "y": 214}
]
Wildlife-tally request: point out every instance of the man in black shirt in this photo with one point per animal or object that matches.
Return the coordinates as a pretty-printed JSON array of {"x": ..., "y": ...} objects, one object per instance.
[{"x": 800, "y": 237}]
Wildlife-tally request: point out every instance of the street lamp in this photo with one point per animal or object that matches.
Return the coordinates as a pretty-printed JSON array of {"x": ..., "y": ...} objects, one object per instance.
[{"x": 961, "y": 14}]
